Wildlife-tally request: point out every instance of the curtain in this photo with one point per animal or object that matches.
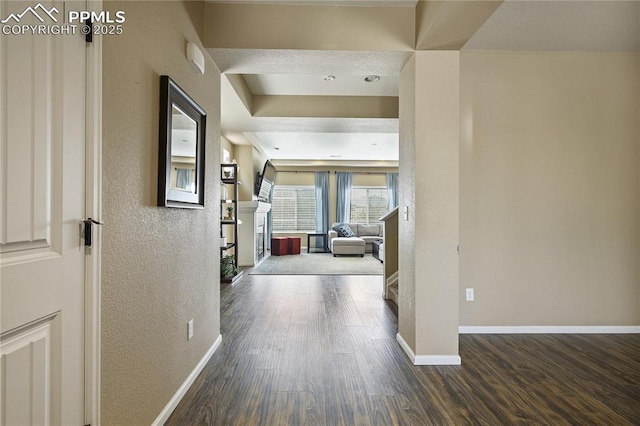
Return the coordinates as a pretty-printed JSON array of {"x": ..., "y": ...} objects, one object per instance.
[
  {"x": 392, "y": 190},
  {"x": 343, "y": 205},
  {"x": 322, "y": 205},
  {"x": 183, "y": 178}
]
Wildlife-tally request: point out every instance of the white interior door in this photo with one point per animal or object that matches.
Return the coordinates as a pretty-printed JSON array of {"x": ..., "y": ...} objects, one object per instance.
[{"x": 42, "y": 197}]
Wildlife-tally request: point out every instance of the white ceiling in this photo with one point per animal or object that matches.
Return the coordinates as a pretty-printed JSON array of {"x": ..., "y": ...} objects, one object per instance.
[
  {"x": 312, "y": 139},
  {"x": 184, "y": 133},
  {"x": 236, "y": 119},
  {"x": 321, "y": 62},
  {"x": 295, "y": 72},
  {"x": 516, "y": 25},
  {"x": 329, "y": 146},
  {"x": 325, "y": 145}
]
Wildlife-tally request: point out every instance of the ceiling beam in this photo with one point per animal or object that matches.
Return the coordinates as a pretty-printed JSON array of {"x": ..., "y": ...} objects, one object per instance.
[
  {"x": 448, "y": 25},
  {"x": 325, "y": 106},
  {"x": 288, "y": 61},
  {"x": 346, "y": 165},
  {"x": 239, "y": 85},
  {"x": 308, "y": 27}
]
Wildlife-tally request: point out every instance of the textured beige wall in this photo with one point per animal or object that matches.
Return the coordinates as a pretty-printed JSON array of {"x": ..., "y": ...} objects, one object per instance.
[
  {"x": 258, "y": 159},
  {"x": 448, "y": 25},
  {"x": 373, "y": 179},
  {"x": 160, "y": 266},
  {"x": 250, "y": 161},
  {"x": 244, "y": 157},
  {"x": 436, "y": 202},
  {"x": 292, "y": 178},
  {"x": 280, "y": 26},
  {"x": 428, "y": 264},
  {"x": 225, "y": 144},
  {"x": 550, "y": 188},
  {"x": 325, "y": 106},
  {"x": 406, "y": 198}
]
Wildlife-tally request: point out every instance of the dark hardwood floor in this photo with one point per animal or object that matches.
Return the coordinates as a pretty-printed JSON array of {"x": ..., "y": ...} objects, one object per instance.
[{"x": 300, "y": 350}]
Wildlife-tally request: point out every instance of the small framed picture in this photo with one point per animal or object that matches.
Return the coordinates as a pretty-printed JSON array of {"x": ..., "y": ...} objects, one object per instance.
[{"x": 227, "y": 172}]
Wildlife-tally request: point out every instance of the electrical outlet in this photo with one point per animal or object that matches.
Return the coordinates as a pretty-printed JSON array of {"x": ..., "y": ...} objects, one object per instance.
[
  {"x": 190, "y": 330},
  {"x": 470, "y": 295}
]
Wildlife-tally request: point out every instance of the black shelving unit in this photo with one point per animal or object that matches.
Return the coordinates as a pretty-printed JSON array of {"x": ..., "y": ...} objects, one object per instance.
[{"x": 229, "y": 177}]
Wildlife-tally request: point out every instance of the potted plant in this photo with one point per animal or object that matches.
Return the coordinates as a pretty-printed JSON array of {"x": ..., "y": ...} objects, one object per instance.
[
  {"x": 230, "y": 212},
  {"x": 228, "y": 266}
]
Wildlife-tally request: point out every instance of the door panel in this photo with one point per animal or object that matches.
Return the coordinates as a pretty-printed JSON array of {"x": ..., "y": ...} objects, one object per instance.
[
  {"x": 28, "y": 131},
  {"x": 42, "y": 195},
  {"x": 23, "y": 279},
  {"x": 26, "y": 366}
]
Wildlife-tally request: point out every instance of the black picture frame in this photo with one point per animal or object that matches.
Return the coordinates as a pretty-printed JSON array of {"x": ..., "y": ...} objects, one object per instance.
[{"x": 172, "y": 99}]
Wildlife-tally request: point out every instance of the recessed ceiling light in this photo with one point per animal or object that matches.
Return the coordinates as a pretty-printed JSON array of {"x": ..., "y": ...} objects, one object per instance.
[
  {"x": 329, "y": 77},
  {"x": 372, "y": 78}
]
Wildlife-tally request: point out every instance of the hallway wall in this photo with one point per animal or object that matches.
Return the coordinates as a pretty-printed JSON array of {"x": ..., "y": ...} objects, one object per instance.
[
  {"x": 549, "y": 188},
  {"x": 160, "y": 266}
]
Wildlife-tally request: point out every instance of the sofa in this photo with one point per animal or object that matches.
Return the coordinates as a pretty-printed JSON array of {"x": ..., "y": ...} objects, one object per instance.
[{"x": 358, "y": 244}]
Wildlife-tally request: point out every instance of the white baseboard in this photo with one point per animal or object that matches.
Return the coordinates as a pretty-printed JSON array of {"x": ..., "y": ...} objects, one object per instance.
[
  {"x": 405, "y": 346},
  {"x": 550, "y": 329},
  {"x": 182, "y": 390},
  {"x": 437, "y": 360},
  {"x": 427, "y": 359}
]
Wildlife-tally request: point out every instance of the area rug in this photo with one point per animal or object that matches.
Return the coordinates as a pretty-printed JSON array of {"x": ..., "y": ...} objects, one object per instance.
[{"x": 318, "y": 264}]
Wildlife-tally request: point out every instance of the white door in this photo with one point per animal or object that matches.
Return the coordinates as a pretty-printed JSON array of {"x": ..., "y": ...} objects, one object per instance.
[{"x": 42, "y": 202}]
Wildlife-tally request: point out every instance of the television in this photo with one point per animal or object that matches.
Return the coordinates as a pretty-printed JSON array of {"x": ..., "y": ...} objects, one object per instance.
[{"x": 265, "y": 181}]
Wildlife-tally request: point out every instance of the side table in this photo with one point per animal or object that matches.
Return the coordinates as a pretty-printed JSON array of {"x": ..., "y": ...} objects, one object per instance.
[
  {"x": 375, "y": 249},
  {"x": 317, "y": 235}
]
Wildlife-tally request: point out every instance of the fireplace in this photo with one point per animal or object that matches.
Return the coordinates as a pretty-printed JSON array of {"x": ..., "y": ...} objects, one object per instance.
[
  {"x": 260, "y": 240},
  {"x": 252, "y": 233}
]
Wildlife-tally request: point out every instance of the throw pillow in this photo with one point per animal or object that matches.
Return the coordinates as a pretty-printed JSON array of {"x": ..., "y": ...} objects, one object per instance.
[
  {"x": 345, "y": 231},
  {"x": 369, "y": 230}
]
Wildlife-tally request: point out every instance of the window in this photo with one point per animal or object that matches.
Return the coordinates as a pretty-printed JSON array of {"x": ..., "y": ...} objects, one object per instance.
[
  {"x": 368, "y": 204},
  {"x": 294, "y": 208}
]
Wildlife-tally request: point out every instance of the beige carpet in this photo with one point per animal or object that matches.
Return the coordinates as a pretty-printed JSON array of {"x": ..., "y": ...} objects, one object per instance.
[{"x": 318, "y": 264}]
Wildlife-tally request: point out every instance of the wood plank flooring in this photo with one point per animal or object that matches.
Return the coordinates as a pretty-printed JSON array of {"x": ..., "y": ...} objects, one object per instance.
[{"x": 321, "y": 350}]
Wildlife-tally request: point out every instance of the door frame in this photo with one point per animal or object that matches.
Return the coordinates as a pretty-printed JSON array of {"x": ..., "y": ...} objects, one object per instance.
[{"x": 93, "y": 209}]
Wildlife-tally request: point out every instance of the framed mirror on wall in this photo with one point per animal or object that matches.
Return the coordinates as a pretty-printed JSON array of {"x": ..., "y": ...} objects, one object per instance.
[{"x": 181, "y": 157}]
